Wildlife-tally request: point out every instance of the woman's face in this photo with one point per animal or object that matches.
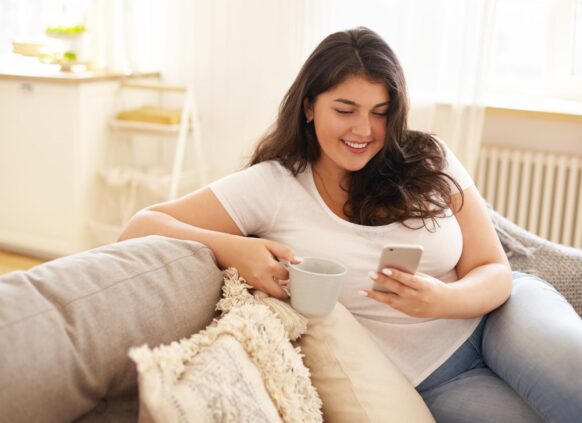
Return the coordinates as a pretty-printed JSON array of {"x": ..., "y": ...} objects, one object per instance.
[{"x": 350, "y": 123}]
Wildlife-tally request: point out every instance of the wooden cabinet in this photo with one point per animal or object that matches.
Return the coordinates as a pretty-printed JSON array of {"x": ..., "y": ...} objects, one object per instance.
[{"x": 52, "y": 134}]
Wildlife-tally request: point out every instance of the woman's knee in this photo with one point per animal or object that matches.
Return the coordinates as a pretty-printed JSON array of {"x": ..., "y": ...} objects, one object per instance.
[
  {"x": 534, "y": 303},
  {"x": 535, "y": 318},
  {"x": 536, "y": 288},
  {"x": 478, "y": 395}
]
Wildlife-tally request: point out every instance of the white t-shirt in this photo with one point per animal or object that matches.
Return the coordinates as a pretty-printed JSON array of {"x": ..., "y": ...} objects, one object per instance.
[{"x": 267, "y": 201}]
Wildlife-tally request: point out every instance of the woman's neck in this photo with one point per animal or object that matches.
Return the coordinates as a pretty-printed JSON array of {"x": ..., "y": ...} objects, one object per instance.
[
  {"x": 332, "y": 175},
  {"x": 332, "y": 186}
]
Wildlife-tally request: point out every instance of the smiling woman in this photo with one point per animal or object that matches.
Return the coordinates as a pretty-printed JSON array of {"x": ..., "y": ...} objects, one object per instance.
[{"x": 349, "y": 126}]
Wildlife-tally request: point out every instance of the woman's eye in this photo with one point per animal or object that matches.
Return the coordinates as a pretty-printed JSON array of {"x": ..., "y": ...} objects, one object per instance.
[{"x": 347, "y": 112}]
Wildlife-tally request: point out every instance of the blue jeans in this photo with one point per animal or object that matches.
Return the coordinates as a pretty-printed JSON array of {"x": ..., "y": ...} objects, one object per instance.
[{"x": 523, "y": 363}]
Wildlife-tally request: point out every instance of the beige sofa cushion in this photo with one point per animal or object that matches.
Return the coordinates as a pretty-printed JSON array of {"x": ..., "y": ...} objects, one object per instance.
[
  {"x": 66, "y": 325},
  {"x": 354, "y": 379}
]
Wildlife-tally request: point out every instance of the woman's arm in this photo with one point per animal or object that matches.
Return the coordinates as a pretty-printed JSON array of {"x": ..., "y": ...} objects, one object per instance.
[
  {"x": 200, "y": 216},
  {"x": 483, "y": 269}
]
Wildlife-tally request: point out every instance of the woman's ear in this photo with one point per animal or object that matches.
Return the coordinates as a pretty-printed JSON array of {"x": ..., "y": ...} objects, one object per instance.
[{"x": 308, "y": 108}]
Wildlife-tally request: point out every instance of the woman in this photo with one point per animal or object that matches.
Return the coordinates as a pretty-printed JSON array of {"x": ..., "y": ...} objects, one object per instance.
[{"x": 340, "y": 175}]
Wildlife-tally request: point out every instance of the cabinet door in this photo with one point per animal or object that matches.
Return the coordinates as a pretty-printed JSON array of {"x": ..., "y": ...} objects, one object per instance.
[{"x": 38, "y": 121}]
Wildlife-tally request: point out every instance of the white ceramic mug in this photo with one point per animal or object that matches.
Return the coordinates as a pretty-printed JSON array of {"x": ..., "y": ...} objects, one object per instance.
[{"x": 314, "y": 285}]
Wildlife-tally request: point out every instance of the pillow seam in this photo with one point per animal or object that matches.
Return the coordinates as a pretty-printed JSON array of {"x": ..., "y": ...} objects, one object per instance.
[
  {"x": 346, "y": 374},
  {"x": 354, "y": 392},
  {"x": 56, "y": 307}
]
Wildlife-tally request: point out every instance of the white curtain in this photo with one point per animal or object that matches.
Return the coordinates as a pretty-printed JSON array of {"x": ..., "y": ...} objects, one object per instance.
[
  {"x": 241, "y": 58},
  {"x": 443, "y": 46},
  {"x": 128, "y": 35}
]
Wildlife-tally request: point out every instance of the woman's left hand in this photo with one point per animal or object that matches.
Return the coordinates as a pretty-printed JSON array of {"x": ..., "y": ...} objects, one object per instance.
[{"x": 418, "y": 295}]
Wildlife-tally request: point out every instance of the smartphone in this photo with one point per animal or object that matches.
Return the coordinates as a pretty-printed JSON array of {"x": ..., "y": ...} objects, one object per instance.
[{"x": 404, "y": 257}]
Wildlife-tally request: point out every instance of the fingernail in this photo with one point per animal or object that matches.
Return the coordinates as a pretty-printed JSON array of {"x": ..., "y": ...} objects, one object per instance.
[
  {"x": 387, "y": 272},
  {"x": 299, "y": 259},
  {"x": 362, "y": 293},
  {"x": 373, "y": 275}
]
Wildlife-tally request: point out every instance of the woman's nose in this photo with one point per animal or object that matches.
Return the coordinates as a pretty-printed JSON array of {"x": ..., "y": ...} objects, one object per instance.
[{"x": 362, "y": 127}]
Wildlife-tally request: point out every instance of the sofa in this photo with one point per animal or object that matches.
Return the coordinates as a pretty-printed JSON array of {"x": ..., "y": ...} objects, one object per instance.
[{"x": 66, "y": 326}]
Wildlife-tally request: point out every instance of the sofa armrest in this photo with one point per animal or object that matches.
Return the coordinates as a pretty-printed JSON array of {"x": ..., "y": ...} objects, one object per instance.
[{"x": 66, "y": 325}]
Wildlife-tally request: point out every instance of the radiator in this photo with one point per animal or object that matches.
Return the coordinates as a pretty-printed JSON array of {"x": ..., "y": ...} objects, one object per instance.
[{"x": 539, "y": 191}]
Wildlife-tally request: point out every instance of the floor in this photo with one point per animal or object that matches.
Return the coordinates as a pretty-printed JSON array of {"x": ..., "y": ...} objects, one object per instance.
[{"x": 11, "y": 261}]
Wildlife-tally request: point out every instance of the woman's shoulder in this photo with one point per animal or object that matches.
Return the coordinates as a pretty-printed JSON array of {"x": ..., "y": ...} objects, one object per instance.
[
  {"x": 454, "y": 167},
  {"x": 426, "y": 139},
  {"x": 264, "y": 175},
  {"x": 442, "y": 144},
  {"x": 272, "y": 167},
  {"x": 447, "y": 151}
]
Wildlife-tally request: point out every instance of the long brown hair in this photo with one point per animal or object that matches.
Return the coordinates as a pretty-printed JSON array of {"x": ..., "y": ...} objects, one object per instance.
[{"x": 405, "y": 179}]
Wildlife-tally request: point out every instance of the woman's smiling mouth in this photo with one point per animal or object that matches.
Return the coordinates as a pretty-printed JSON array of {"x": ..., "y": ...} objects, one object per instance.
[{"x": 356, "y": 147}]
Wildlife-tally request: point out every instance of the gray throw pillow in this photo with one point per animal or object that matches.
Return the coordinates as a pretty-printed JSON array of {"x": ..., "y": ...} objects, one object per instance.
[
  {"x": 66, "y": 325},
  {"x": 558, "y": 264}
]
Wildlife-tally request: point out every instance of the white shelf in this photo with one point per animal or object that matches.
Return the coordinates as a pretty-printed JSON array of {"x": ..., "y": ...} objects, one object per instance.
[
  {"x": 153, "y": 180},
  {"x": 132, "y": 183},
  {"x": 135, "y": 126},
  {"x": 132, "y": 177}
]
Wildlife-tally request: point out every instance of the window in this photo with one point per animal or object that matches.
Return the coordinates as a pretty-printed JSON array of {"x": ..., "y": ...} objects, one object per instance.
[
  {"x": 537, "y": 49},
  {"x": 577, "y": 45},
  {"x": 26, "y": 20}
]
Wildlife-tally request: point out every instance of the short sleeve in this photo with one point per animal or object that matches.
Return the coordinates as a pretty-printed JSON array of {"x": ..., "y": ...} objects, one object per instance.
[
  {"x": 252, "y": 197},
  {"x": 455, "y": 169}
]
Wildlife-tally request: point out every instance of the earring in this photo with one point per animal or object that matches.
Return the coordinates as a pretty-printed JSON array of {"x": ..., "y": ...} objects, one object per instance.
[{"x": 308, "y": 121}]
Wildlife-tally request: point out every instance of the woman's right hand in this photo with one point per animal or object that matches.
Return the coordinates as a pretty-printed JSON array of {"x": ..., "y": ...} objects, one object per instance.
[{"x": 254, "y": 258}]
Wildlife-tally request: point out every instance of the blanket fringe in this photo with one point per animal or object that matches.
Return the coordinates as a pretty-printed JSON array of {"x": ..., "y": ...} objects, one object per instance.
[{"x": 263, "y": 326}]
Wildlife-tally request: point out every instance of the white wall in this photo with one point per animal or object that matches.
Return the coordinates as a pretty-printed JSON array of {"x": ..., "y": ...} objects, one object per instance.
[{"x": 536, "y": 131}]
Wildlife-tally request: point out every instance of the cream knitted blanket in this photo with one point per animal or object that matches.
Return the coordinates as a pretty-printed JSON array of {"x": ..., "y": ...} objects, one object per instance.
[{"x": 263, "y": 326}]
